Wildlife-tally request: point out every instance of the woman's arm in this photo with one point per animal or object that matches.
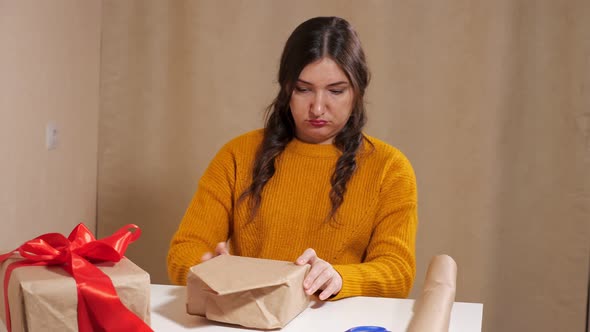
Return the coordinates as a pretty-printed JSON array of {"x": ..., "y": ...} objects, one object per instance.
[
  {"x": 389, "y": 267},
  {"x": 206, "y": 220}
]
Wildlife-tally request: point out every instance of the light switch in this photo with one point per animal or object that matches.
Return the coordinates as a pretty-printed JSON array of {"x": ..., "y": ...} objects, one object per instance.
[{"x": 51, "y": 133}]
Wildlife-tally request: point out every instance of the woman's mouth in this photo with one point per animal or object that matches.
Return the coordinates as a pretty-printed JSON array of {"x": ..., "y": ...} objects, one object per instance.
[{"x": 318, "y": 123}]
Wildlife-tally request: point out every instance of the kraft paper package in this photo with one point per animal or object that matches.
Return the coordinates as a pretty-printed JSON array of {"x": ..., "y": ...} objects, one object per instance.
[
  {"x": 252, "y": 292},
  {"x": 432, "y": 309},
  {"x": 44, "y": 298}
]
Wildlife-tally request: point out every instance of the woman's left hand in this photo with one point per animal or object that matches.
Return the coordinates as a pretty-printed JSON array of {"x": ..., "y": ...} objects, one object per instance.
[{"x": 321, "y": 276}]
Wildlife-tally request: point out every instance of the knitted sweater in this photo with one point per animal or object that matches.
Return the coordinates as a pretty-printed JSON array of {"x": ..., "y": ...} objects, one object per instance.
[{"x": 372, "y": 246}]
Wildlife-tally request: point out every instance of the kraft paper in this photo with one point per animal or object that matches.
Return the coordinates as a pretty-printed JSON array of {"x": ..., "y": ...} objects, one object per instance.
[
  {"x": 432, "y": 309},
  {"x": 252, "y": 292}
]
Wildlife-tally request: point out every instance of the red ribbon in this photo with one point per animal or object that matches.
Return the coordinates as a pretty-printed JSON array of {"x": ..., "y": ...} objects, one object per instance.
[{"x": 99, "y": 307}]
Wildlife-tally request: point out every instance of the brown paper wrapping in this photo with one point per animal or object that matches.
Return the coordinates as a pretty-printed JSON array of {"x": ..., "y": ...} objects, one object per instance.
[
  {"x": 44, "y": 298},
  {"x": 252, "y": 292},
  {"x": 432, "y": 309}
]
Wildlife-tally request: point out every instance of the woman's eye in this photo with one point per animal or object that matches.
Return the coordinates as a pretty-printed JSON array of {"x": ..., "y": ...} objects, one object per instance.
[
  {"x": 336, "y": 92},
  {"x": 301, "y": 89}
]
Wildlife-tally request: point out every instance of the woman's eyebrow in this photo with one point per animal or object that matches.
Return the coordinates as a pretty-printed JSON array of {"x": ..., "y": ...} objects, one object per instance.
[
  {"x": 329, "y": 85},
  {"x": 338, "y": 83}
]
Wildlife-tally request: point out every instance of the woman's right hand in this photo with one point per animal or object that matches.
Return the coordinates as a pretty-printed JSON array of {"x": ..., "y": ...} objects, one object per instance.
[{"x": 220, "y": 249}]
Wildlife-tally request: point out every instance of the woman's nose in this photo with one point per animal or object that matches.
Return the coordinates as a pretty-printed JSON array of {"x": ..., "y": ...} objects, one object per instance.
[{"x": 317, "y": 107}]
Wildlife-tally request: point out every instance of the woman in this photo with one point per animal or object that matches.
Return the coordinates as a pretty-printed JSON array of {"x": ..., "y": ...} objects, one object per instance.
[{"x": 310, "y": 187}]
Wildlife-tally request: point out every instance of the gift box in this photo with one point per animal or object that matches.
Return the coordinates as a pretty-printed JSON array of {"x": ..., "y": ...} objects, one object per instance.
[
  {"x": 44, "y": 298},
  {"x": 74, "y": 284},
  {"x": 252, "y": 292}
]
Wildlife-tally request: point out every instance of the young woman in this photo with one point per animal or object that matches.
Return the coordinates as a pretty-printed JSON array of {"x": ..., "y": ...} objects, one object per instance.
[{"x": 310, "y": 187}]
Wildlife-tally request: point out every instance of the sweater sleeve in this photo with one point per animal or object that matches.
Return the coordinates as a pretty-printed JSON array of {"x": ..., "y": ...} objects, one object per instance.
[
  {"x": 207, "y": 218},
  {"x": 389, "y": 267}
]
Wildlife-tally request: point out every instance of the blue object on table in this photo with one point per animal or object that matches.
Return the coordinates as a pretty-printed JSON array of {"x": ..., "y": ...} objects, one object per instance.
[{"x": 367, "y": 329}]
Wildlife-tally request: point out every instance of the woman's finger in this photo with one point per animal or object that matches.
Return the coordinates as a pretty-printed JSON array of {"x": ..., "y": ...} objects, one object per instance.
[
  {"x": 221, "y": 249},
  {"x": 309, "y": 256},
  {"x": 323, "y": 274},
  {"x": 332, "y": 288},
  {"x": 207, "y": 256}
]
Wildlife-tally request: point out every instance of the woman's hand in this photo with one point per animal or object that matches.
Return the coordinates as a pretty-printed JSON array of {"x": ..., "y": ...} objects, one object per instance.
[
  {"x": 321, "y": 276},
  {"x": 220, "y": 249}
]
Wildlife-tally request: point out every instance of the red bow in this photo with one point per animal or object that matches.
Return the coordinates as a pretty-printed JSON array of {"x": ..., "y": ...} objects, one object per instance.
[{"x": 99, "y": 307}]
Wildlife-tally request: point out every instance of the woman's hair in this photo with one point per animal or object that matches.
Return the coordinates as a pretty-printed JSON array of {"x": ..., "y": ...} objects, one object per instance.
[{"x": 314, "y": 39}]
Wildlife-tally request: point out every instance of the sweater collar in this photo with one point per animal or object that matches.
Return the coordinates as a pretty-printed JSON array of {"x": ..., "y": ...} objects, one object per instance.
[{"x": 312, "y": 150}]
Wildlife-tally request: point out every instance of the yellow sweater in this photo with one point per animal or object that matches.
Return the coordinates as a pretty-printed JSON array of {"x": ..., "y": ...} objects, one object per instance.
[{"x": 373, "y": 247}]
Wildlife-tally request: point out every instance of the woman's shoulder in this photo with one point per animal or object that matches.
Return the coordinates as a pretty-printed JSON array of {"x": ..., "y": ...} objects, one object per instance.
[
  {"x": 240, "y": 150},
  {"x": 384, "y": 153},
  {"x": 245, "y": 142},
  {"x": 381, "y": 148}
]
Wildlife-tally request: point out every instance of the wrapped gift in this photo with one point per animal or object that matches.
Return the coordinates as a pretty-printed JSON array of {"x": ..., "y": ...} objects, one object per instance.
[
  {"x": 53, "y": 283},
  {"x": 252, "y": 292}
]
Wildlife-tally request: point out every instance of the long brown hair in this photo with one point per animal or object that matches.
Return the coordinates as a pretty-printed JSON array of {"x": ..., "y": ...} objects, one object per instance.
[{"x": 311, "y": 41}]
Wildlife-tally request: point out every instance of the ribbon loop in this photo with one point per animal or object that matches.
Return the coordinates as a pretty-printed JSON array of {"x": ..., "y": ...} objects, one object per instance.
[
  {"x": 111, "y": 248},
  {"x": 80, "y": 236}
]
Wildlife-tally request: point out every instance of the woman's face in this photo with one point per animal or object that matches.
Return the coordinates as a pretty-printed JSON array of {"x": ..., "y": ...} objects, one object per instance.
[{"x": 321, "y": 102}]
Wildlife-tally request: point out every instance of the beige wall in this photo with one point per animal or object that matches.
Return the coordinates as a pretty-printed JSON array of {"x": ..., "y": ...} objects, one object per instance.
[
  {"x": 489, "y": 100},
  {"x": 49, "y": 71}
]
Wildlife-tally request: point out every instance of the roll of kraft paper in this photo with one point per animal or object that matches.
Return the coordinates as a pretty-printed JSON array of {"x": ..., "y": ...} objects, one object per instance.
[{"x": 432, "y": 309}]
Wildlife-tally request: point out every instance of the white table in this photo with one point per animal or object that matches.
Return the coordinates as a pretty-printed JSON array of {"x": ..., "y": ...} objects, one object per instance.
[{"x": 169, "y": 314}]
